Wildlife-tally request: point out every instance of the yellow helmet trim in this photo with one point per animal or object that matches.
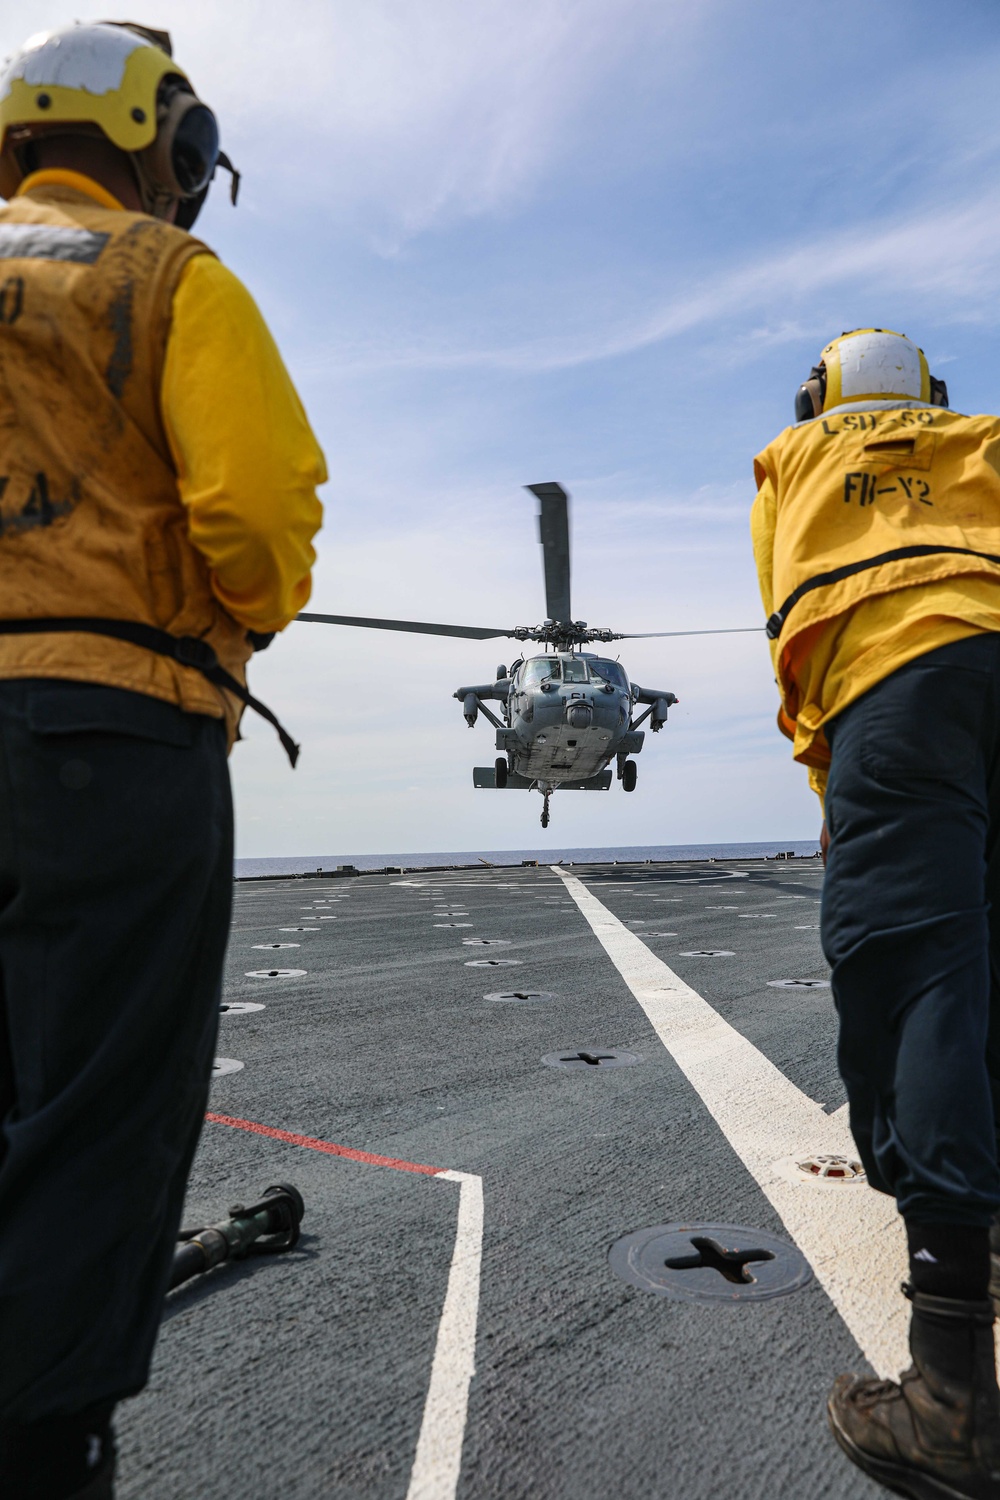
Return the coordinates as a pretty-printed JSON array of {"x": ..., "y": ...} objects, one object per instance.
[
  {"x": 874, "y": 364},
  {"x": 94, "y": 74}
]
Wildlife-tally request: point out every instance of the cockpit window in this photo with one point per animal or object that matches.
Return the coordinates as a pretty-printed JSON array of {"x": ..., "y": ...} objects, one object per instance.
[
  {"x": 611, "y": 672},
  {"x": 575, "y": 670},
  {"x": 539, "y": 669}
]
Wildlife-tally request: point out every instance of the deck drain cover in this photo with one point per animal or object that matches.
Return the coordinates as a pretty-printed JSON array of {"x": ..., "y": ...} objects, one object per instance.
[
  {"x": 298, "y": 929},
  {"x": 238, "y": 1007},
  {"x": 275, "y": 973},
  {"x": 709, "y": 953},
  {"x": 519, "y": 997},
  {"x": 659, "y": 934},
  {"x": 453, "y": 924},
  {"x": 277, "y": 945},
  {"x": 710, "y": 1263},
  {"x": 486, "y": 942},
  {"x": 799, "y": 984},
  {"x": 492, "y": 963},
  {"x": 225, "y": 1065},
  {"x": 589, "y": 1059}
]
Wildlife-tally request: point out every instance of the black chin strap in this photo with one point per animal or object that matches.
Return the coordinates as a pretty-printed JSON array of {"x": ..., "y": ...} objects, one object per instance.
[{"x": 188, "y": 650}]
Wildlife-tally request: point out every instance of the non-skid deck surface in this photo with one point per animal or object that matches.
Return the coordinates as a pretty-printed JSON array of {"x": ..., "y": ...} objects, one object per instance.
[{"x": 341, "y": 1369}]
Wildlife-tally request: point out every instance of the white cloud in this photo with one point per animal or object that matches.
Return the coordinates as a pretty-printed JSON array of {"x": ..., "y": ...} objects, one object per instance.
[
  {"x": 947, "y": 258},
  {"x": 412, "y": 115}
]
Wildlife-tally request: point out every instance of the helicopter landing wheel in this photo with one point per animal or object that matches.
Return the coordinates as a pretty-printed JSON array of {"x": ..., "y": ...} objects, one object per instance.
[
  {"x": 629, "y": 773},
  {"x": 500, "y": 771},
  {"x": 545, "y": 810}
]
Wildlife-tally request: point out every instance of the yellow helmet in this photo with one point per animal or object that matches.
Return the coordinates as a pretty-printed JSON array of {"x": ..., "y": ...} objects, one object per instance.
[
  {"x": 120, "y": 80},
  {"x": 868, "y": 364}
]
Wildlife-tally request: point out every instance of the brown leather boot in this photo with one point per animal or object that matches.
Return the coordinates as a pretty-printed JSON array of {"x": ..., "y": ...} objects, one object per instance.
[{"x": 936, "y": 1434}]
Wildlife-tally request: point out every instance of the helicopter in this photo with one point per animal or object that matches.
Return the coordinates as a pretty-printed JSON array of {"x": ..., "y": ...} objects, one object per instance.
[{"x": 564, "y": 715}]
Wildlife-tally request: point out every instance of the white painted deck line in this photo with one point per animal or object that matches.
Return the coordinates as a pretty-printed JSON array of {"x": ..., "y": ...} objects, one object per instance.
[
  {"x": 852, "y": 1237},
  {"x": 438, "y": 1460}
]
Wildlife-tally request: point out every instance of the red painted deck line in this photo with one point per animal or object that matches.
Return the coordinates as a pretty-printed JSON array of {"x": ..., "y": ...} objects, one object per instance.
[{"x": 312, "y": 1144}]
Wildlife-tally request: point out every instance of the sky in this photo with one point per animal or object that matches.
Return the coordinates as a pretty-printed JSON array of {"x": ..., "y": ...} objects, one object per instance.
[{"x": 593, "y": 241}]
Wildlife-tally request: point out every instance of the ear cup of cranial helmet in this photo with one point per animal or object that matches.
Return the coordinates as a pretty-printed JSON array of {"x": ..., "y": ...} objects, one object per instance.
[
  {"x": 810, "y": 396},
  {"x": 182, "y": 158},
  {"x": 939, "y": 392},
  {"x": 804, "y": 409}
]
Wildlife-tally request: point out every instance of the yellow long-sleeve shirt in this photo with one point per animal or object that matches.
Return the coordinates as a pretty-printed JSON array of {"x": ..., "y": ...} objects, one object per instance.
[{"x": 247, "y": 462}]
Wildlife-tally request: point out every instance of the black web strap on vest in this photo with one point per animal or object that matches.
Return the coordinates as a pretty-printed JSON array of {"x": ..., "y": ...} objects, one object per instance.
[
  {"x": 188, "y": 650},
  {"x": 777, "y": 620}
]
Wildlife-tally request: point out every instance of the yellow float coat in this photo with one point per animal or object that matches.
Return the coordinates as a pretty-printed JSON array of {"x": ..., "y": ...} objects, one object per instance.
[
  {"x": 155, "y": 462},
  {"x": 850, "y": 487}
]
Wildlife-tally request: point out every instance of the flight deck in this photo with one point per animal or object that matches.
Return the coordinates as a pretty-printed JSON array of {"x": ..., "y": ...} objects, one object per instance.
[{"x": 508, "y": 1096}]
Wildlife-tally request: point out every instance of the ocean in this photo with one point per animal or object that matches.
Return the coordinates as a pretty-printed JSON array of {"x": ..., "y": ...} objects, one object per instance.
[{"x": 307, "y": 864}]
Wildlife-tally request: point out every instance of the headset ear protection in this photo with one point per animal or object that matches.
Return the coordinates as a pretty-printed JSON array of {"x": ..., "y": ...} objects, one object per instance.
[
  {"x": 939, "y": 392},
  {"x": 809, "y": 397},
  {"x": 181, "y": 162}
]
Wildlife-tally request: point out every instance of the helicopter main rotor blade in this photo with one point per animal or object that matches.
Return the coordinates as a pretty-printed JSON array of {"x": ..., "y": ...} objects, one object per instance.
[
  {"x": 416, "y": 627},
  {"x": 553, "y": 532},
  {"x": 652, "y": 635}
]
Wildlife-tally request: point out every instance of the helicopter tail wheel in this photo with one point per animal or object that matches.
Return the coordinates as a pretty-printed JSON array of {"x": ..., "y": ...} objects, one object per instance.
[
  {"x": 629, "y": 773},
  {"x": 500, "y": 769},
  {"x": 545, "y": 810}
]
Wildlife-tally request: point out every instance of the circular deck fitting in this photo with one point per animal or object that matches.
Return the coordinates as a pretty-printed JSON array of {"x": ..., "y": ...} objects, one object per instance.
[
  {"x": 755, "y": 916},
  {"x": 589, "y": 1059},
  {"x": 831, "y": 1168},
  {"x": 820, "y": 1170},
  {"x": 225, "y": 1065},
  {"x": 277, "y": 945},
  {"x": 659, "y": 934},
  {"x": 453, "y": 924},
  {"x": 328, "y": 919},
  {"x": 238, "y": 1007},
  {"x": 798, "y": 984},
  {"x": 708, "y": 953},
  {"x": 710, "y": 1263},
  {"x": 492, "y": 963},
  {"x": 275, "y": 973},
  {"x": 298, "y": 929},
  {"x": 486, "y": 942},
  {"x": 519, "y": 997}
]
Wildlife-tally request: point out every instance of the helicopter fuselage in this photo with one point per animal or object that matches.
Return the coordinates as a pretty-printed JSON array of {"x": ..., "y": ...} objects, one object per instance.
[{"x": 566, "y": 716}]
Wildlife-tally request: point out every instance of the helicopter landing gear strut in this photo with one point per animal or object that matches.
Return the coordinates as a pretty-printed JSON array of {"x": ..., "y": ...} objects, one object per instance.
[{"x": 545, "y": 809}]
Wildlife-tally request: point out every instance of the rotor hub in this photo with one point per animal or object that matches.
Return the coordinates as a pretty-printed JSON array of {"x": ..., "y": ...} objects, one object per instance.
[{"x": 563, "y": 636}]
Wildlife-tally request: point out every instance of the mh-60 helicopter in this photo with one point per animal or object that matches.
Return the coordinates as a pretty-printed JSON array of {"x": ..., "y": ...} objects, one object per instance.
[{"x": 567, "y": 714}]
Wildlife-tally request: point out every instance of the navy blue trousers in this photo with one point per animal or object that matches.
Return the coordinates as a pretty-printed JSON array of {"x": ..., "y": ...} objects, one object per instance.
[
  {"x": 911, "y": 929},
  {"x": 115, "y": 892}
]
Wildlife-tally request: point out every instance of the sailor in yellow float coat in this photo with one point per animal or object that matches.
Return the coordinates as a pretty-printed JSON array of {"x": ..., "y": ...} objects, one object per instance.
[
  {"x": 157, "y": 511},
  {"x": 876, "y": 531},
  {"x": 860, "y": 482},
  {"x": 211, "y": 481}
]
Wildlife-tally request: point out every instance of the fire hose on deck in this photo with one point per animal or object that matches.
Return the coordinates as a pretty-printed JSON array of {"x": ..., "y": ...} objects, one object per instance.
[{"x": 263, "y": 1228}]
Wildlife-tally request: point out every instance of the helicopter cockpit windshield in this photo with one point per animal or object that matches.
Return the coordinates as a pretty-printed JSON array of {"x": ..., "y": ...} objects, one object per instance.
[
  {"x": 540, "y": 669},
  {"x": 610, "y": 671},
  {"x": 574, "y": 670}
]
